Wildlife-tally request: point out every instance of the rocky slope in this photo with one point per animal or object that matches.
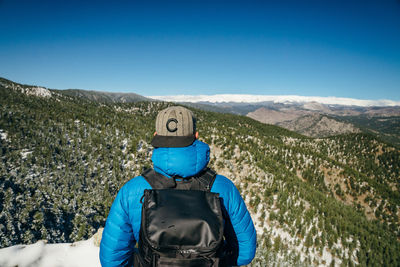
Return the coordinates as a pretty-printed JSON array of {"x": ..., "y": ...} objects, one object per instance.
[
  {"x": 317, "y": 125},
  {"x": 306, "y": 122}
]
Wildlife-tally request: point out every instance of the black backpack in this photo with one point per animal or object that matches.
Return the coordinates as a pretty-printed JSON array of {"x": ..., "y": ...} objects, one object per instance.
[{"x": 182, "y": 222}]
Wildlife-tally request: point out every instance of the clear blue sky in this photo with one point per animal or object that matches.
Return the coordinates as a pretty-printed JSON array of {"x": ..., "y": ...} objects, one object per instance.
[{"x": 311, "y": 48}]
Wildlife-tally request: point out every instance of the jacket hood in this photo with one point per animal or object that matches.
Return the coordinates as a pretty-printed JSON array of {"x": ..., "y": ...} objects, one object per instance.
[{"x": 181, "y": 161}]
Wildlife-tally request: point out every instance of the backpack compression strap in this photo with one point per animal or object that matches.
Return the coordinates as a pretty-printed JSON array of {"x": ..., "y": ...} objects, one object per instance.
[{"x": 203, "y": 181}]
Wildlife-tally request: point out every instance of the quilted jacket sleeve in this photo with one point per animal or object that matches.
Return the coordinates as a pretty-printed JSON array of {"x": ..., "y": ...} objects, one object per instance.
[
  {"x": 243, "y": 226},
  {"x": 117, "y": 243}
]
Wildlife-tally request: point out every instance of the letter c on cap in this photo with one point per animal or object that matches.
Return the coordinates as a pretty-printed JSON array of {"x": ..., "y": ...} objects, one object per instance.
[{"x": 174, "y": 129}]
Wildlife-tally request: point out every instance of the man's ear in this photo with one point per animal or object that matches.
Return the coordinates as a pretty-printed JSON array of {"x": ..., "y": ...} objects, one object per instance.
[{"x": 197, "y": 135}]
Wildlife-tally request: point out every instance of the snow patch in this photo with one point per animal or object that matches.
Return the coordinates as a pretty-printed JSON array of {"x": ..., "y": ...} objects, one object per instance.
[
  {"x": 124, "y": 145},
  {"x": 3, "y": 135},
  {"x": 82, "y": 253},
  {"x": 221, "y": 98},
  {"x": 25, "y": 153}
]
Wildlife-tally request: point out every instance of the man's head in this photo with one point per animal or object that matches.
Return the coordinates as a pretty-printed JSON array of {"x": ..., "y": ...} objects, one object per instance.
[{"x": 175, "y": 127}]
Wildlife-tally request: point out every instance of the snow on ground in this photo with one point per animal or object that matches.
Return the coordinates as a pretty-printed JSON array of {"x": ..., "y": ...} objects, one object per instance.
[
  {"x": 326, "y": 257},
  {"x": 238, "y": 98},
  {"x": 124, "y": 145},
  {"x": 3, "y": 135},
  {"x": 79, "y": 254},
  {"x": 25, "y": 153}
]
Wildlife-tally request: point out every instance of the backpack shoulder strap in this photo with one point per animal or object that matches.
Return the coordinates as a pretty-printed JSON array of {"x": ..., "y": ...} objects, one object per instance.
[
  {"x": 157, "y": 180},
  {"x": 205, "y": 180}
]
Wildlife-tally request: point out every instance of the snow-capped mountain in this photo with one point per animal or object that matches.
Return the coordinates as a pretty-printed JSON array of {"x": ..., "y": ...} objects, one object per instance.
[{"x": 243, "y": 98}]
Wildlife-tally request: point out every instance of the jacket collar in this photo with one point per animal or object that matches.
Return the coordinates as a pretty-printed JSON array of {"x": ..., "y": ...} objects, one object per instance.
[{"x": 181, "y": 161}]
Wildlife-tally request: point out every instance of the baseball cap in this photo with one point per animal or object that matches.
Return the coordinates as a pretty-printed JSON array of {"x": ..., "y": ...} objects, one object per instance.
[{"x": 175, "y": 127}]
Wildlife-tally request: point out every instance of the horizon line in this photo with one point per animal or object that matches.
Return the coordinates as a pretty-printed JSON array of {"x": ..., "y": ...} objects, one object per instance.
[
  {"x": 248, "y": 98},
  {"x": 256, "y": 98}
]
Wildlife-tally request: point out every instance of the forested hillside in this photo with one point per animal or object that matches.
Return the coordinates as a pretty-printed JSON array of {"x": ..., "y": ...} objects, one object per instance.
[{"x": 324, "y": 201}]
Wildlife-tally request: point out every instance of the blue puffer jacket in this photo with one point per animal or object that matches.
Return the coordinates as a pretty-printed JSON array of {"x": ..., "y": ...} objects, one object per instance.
[{"x": 123, "y": 223}]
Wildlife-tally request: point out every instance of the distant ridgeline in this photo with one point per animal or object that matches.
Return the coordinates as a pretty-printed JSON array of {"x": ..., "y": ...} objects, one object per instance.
[{"x": 63, "y": 158}]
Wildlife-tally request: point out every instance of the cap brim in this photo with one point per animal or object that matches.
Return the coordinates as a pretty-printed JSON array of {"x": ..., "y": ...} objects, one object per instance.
[{"x": 172, "y": 141}]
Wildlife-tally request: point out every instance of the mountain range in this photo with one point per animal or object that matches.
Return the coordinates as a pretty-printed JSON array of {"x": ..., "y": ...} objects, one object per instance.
[
  {"x": 315, "y": 201},
  {"x": 310, "y": 116}
]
